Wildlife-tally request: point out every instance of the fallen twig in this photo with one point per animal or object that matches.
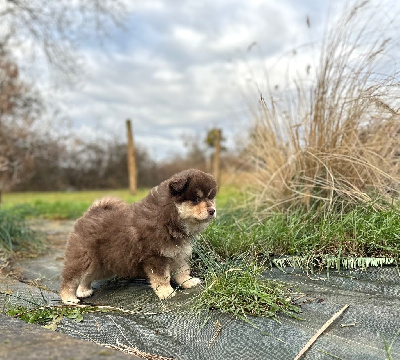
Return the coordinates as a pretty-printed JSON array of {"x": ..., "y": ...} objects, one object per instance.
[
  {"x": 320, "y": 331},
  {"x": 218, "y": 331}
]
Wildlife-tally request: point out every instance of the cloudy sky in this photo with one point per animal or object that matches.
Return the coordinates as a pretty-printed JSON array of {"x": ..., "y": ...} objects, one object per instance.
[{"x": 185, "y": 66}]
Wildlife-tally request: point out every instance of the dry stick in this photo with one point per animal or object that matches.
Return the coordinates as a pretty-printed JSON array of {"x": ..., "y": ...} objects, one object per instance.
[
  {"x": 217, "y": 324},
  {"x": 320, "y": 331}
]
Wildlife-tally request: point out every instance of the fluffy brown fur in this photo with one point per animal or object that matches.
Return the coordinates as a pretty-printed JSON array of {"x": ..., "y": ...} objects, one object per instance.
[{"x": 150, "y": 238}]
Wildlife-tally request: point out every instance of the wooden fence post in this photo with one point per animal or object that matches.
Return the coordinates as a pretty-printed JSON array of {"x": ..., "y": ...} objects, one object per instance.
[
  {"x": 131, "y": 159},
  {"x": 216, "y": 170}
]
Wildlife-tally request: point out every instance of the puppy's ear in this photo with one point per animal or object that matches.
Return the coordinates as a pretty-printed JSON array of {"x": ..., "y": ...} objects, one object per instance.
[{"x": 179, "y": 184}]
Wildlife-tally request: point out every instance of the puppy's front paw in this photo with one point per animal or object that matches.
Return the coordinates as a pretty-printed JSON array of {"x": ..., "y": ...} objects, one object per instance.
[
  {"x": 165, "y": 292},
  {"x": 192, "y": 282},
  {"x": 83, "y": 292},
  {"x": 68, "y": 296},
  {"x": 70, "y": 301}
]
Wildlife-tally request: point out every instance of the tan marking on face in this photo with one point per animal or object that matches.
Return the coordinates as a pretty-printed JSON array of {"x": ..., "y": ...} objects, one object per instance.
[
  {"x": 201, "y": 209},
  {"x": 189, "y": 211},
  {"x": 199, "y": 193},
  {"x": 211, "y": 203},
  {"x": 196, "y": 218}
]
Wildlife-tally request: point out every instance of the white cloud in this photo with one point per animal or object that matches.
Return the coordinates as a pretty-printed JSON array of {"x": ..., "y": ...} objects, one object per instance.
[
  {"x": 188, "y": 37},
  {"x": 167, "y": 75}
]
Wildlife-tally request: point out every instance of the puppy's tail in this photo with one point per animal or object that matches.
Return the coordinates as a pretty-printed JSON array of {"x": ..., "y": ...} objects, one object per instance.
[{"x": 107, "y": 203}]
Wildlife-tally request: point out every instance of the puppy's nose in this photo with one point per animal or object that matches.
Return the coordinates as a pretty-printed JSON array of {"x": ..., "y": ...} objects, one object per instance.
[{"x": 211, "y": 212}]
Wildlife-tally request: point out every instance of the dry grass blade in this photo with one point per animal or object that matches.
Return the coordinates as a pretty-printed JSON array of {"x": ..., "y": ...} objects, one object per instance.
[
  {"x": 134, "y": 351},
  {"x": 218, "y": 327}
]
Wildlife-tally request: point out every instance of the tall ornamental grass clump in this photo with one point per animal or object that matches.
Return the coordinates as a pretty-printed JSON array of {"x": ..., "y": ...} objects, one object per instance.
[{"x": 336, "y": 136}]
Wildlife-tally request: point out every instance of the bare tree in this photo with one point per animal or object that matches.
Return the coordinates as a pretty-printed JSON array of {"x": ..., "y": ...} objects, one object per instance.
[
  {"x": 54, "y": 29},
  {"x": 20, "y": 108}
]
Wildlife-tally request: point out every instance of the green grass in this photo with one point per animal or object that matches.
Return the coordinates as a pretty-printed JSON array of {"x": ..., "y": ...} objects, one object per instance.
[
  {"x": 359, "y": 232},
  {"x": 16, "y": 235},
  {"x": 63, "y": 205},
  {"x": 388, "y": 347},
  {"x": 235, "y": 285},
  {"x": 228, "y": 253},
  {"x": 44, "y": 315},
  {"x": 50, "y": 316},
  {"x": 71, "y": 205}
]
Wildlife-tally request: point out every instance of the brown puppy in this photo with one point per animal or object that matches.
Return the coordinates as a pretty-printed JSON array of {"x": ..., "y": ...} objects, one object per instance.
[{"x": 150, "y": 238}]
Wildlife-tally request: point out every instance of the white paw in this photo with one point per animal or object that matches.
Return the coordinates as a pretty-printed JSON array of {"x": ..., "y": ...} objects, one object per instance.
[
  {"x": 70, "y": 301},
  {"x": 165, "y": 292},
  {"x": 84, "y": 293},
  {"x": 192, "y": 282}
]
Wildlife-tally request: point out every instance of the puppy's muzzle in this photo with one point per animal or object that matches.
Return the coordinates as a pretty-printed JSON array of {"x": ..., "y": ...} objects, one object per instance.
[{"x": 211, "y": 213}]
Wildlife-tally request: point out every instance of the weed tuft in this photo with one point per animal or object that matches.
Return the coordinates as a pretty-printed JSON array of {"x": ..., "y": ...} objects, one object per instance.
[
  {"x": 243, "y": 292},
  {"x": 236, "y": 286},
  {"x": 50, "y": 316}
]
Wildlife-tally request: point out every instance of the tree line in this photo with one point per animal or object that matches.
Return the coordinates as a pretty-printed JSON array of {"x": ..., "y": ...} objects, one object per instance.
[{"x": 79, "y": 165}]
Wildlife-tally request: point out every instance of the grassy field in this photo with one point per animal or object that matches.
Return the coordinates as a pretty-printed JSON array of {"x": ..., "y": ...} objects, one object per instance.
[
  {"x": 16, "y": 236},
  {"x": 62, "y": 205},
  {"x": 71, "y": 205},
  {"x": 359, "y": 231}
]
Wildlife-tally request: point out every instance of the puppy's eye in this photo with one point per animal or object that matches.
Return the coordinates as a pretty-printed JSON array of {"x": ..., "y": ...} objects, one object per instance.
[{"x": 196, "y": 200}]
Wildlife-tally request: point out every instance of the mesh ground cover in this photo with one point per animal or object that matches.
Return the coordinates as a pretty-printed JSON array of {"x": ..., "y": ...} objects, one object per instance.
[{"x": 171, "y": 330}]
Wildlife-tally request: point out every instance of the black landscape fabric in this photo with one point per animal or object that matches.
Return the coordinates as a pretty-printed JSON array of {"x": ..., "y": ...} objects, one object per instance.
[{"x": 170, "y": 329}]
